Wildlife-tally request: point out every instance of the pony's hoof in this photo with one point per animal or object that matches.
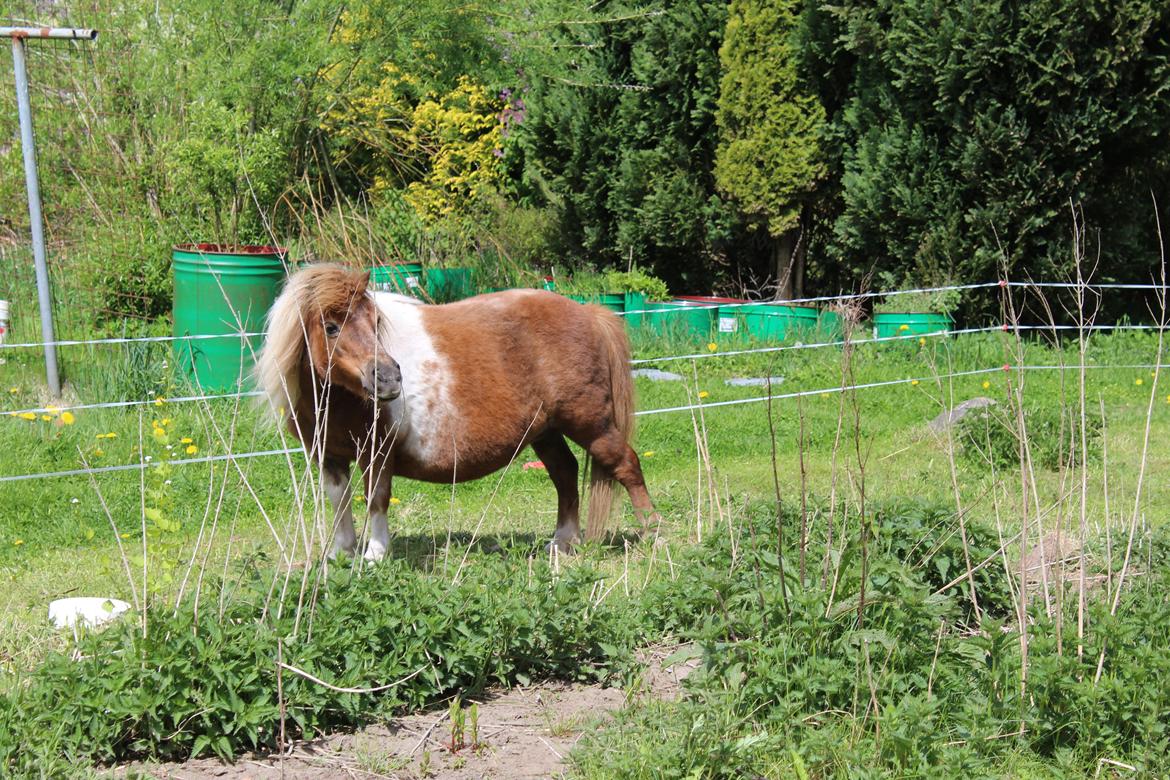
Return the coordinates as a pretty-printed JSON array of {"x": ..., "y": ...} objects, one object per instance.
[
  {"x": 375, "y": 551},
  {"x": 562, "y": 546}
]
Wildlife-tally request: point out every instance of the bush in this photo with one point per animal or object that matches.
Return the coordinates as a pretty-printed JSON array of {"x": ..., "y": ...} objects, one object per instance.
[{"x": 990, "y": 436}]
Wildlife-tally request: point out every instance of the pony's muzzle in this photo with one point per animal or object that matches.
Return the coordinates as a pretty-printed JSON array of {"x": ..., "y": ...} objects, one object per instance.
[{"x": 383, "y": 380}]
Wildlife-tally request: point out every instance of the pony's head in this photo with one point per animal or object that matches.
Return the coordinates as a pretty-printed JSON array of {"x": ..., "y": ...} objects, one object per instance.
[{"x": 325, "y": 316}]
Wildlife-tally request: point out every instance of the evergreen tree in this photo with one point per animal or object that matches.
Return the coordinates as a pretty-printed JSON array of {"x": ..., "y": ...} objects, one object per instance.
[{"x": 769, "y": 158}]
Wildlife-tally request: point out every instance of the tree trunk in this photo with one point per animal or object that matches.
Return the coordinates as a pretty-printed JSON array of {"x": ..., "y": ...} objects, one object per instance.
[{"x": 788, "y": 264}]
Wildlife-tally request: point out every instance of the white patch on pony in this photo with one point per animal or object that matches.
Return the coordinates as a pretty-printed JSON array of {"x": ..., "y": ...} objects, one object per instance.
[{"x": 424, "y": 410}]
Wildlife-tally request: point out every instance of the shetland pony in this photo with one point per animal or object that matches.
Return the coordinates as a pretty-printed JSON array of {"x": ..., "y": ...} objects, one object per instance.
[{"x": 450, "y": 393}]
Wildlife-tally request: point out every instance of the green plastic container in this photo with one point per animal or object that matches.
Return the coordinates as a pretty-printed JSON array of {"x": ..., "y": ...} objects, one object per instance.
[
  {"x": 402, "y": 278},
  {"x": 219, "y": 291},
  {"x": 635, "y": 308},
  {"x": 768, "y": 321},
  {"x": 448, "y": 284},
  {"x": 612, "y": 301},
  {"x": 889, "y": 324},
  {"x": 830, "y": 325},
  {"x": 680, "y": 317}
]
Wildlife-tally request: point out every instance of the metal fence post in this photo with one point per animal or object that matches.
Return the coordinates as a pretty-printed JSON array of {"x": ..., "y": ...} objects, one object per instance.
[{"x": 44, "y": 296}]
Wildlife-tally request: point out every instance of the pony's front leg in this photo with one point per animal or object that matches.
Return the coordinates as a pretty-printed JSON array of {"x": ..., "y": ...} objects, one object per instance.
[
  {"x": 335, "y": 476},
  {"x": 378, "y": 478}
]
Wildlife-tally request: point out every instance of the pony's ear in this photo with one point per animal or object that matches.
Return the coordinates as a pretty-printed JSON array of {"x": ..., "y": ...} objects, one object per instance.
[{"x": 366, "y": 280}]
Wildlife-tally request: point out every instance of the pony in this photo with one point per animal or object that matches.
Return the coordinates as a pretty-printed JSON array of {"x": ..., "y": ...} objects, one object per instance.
[{"x": 450, "y": 393}]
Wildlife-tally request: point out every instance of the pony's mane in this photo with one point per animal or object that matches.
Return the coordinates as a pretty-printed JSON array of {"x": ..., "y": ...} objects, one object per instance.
[{"x": 307, "y": 296}]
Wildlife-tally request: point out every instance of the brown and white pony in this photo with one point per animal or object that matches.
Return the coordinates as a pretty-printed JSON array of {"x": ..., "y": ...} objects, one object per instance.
[{"x": 450, "y": 393}]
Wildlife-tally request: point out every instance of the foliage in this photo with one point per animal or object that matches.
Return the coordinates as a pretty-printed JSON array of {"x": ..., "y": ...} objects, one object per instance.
[
  {"x": 621, "y": 142},
  {"x": 203, "y": 680},
  {"x": 221, "y": 167},
  {"x": 937, "y": 301},
  {"x": 638, "y": 281},
  {"x": 798, "y": 687},
  {"x": 963, "y": 132},
  {"x": 991, "y": 436},
  {"x": 769, "y": 158}
]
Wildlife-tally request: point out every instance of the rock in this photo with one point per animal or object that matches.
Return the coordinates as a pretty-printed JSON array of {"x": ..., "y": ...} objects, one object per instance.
[
  {"x": 654, "y": 375},
  {"x": 753, "y": 381},
  {"x": 948, "y": 419}
]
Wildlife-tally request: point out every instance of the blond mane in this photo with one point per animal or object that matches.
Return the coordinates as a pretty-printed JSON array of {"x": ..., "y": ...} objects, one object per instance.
[{"x": 307, "y": 295}]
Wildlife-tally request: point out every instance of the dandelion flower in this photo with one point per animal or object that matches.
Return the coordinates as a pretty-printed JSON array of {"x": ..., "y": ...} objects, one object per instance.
[
  {"x": 28, "y": 416},
  {"x": 186, "y": 440},
  {"x": 986, "y": 384},
  {"x": 52, "y": 410},
  {"x": 921, "y": 341},
  {"x": 158, "y": 401},
  {"x": 46, "y": 417},
  {"x": 914, "y": 382},
  {"x": 824, "y": 395},
  {"x": 712, "y": 346},
  {"x": 125, "y": 536},
  {"x": 68, "y": 418},
  {"x": 192, "y": 449},
  {"x": 98, "y": 453},
  {"x": 14, "y": 390},
  {"x": 166, "y": 421},
  {"x": 395, "y": 500},
  {"x": 703, "y": 394},
  {"x": 159, "y": 433},
  {"x": 17, "y": 542},
  {"x": 1138, "y": 381},
  {"x": 648, "y": 454}
]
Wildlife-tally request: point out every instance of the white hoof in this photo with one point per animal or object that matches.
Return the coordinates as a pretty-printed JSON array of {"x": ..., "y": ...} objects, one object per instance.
[
  {"x": 375, "y": 551},
  {"x": 563, "y": 546}
]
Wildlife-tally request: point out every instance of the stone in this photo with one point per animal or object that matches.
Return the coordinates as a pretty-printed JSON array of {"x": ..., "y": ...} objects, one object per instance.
[
  {"x": 654, "y": 375},
  {"x": 753, "y": 381},
  {"x": 949, "y": 419}
]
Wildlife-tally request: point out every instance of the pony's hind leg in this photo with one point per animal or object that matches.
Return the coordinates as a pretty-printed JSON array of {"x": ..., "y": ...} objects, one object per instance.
[
  {"x": 611, "y": 453},
  {"x": 335, "y": 476},
  {"x": 561, "y": 465}
]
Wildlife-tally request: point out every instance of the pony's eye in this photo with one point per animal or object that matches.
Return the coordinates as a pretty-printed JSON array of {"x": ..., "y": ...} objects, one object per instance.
[{"x": 331, "y": 329}]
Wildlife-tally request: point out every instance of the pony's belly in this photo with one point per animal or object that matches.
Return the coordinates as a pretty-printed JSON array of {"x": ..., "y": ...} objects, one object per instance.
[{"x": 445, "y": 472}]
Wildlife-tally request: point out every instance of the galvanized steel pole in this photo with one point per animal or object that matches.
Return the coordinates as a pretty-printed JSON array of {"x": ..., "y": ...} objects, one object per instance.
[{"x": 32, "y": 184}]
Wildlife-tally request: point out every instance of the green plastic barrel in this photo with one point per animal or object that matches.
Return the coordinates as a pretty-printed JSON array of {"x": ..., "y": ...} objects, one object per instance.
[
  {"x": 402, "y": 278},
  {"x": 448, "y": 284},
  {"x": 612, "y": 301},
  {"x": 889, "y": 324},
  {"x": 221, "y": 291},
  {"x": 768, "y": 321},
  {"x": 680, "y": 318}
]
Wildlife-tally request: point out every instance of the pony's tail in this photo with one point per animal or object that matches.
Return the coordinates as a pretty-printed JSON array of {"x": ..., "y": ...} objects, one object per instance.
[{"x": 615, "y": 346}]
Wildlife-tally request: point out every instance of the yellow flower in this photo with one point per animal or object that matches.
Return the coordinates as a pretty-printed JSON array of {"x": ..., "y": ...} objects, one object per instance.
[
  {"x": 28, "y": 416},
  {"x": 192, "y": 449},
  {"x": 98, "y": 453},
  {"x": 703, "y": 394},
  {"x": 159, "y": 433},
  {"x": 166, "y": 421},
  {"x": 14, "y": 390},
  {"x": 648, "y": 454},
  {"x": 17, "y": 542},
  {"x": 186, "y": 440},
  {"x": 46, "y": 417},
  {"x": 280, "y": 411},
  {"x": 395, "y": 500},
  {"x": 921, "y": 341},
  {"x": 986, "y": 384},
  {"x": 903, "y": 326},
  {"x": 1138, "y": 381},
  {"x": 125, "y": 536},
  {"x": 712, "y": 346},
  {"x": 67, "y": 418},
  {"x": 158, "y": 401},
  {"x": 52, "y": 410},
  {"x": 914, "y": 382},
  {"x": 824, "y": 395}
]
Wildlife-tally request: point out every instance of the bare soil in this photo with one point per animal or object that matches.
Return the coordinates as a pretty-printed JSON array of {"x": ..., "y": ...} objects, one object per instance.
[{"x": 523, "y": 733}]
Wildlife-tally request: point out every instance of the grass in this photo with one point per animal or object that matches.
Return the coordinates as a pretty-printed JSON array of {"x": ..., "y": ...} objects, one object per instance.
[{"x": 220, "y": 519}]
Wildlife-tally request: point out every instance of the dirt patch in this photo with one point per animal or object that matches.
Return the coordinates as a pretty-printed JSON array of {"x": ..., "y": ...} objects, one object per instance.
[{"x": 523, "y": 733}]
